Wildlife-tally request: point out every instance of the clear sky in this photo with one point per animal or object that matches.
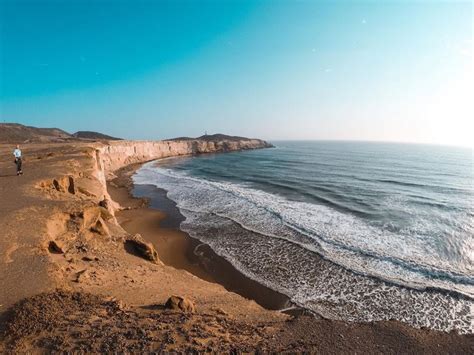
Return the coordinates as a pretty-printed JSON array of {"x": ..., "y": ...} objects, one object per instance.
[{"x": 364, "y": 70}]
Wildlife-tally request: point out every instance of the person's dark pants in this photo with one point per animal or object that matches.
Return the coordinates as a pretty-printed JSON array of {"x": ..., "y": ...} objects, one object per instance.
[{"x": 18, "y": 165}]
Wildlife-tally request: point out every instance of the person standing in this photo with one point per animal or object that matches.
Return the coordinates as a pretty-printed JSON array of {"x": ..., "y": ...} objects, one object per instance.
[{"x": 18, "y": 162}]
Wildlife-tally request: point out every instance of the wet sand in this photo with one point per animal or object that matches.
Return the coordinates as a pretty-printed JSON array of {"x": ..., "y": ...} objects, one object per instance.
[{"x": 155, "y": 217}]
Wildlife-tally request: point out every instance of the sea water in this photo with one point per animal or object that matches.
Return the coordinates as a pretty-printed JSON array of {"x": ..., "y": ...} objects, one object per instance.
[{"x": 350, "y": 230}]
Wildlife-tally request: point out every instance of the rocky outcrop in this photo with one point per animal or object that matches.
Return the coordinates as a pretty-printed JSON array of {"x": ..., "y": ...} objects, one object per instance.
[
  {"x": 93, "y": 219},
  {"x": 182, "y": 304},
  {"x": 136, "y": 245},
  {"x": 117, "y": 154}
]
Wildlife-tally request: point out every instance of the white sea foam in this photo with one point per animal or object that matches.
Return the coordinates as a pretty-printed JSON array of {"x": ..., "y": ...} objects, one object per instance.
[{"x": 279, "y": 243}]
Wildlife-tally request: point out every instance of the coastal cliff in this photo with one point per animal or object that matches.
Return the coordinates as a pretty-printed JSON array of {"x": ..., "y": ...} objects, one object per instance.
[
  {"x": 116, "y": 154},
  {"x": 65, "y": 183},
  {"x": 72, "y": 270}
]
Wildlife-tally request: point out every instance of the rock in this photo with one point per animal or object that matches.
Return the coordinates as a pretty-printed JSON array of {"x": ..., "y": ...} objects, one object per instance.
[
  {"x": 120, "y": 305},
  {"x": 84, "y": 191},
  {"x": 56, "y": 247},
  {"x": 104, "y": 203},
  {"x": 91, "y": 214},
  {"x": 100, "y": 227},
  {"x": 180, "y": 304},
  {"x": 82, "y": 275},
  {"x": 220, "y": 311},
  {"x": 64, "y": 184},
  {"x": 94, "y": 218},
  {"x": 136, "y": 245},
  {"x": 115, "y": 304}
]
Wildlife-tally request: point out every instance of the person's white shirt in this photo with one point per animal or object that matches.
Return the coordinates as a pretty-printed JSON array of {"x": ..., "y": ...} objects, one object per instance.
[{"x": 17, "y": 153}]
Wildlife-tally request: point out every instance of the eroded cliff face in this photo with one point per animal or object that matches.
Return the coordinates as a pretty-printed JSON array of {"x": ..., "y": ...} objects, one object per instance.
[{"x": 117, "y": 154}]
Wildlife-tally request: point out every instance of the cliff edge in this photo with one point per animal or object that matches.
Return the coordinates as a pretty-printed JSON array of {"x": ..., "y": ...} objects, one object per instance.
[{"x": 114, "y": 155}]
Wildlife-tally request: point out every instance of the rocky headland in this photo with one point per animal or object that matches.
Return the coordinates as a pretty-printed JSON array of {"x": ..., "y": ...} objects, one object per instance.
[{"x": 116, "y": 155}]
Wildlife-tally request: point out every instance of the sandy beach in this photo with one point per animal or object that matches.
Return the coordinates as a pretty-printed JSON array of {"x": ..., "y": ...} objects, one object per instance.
[
  {"x": 76, "y": 277},
  {"x": 175, "y": 248}
]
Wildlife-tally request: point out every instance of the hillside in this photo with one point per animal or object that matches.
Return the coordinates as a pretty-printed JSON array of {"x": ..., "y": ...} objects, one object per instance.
[
  {"x": 94, "y": 136},
  {"x": 17, "y": 133},
  {"x": 14, "y": 133}
]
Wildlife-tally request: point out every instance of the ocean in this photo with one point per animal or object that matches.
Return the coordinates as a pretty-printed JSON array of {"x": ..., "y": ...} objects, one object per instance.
[{"x": 354, "y": 231}]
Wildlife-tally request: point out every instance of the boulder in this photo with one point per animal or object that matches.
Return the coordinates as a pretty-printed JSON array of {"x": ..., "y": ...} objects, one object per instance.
[
  {"x": 56, "y": 247},
  {"x": 178, "y": 303},
  {"x": 138, "y": 246}
]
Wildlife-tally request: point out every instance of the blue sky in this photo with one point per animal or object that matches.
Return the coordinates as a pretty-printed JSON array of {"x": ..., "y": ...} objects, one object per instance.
[{"x": 369, "y": 70}]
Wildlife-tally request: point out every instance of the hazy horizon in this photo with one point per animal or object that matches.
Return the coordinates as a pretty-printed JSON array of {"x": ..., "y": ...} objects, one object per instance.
[{"x": 397, "y": 71}]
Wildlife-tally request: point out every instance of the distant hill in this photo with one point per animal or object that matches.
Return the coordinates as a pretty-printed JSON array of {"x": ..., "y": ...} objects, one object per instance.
[
  {"x": 17, "y": 133},
  {"x": 211, "y": 138},
  {"x": 94, "y": 136},
  {"x": 14, "y": 133}
]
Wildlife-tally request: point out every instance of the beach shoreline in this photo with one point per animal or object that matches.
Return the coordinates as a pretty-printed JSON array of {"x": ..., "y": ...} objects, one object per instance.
[
  {"x": 157, "y": 219},
  {"x": 71, "y": 283}
]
